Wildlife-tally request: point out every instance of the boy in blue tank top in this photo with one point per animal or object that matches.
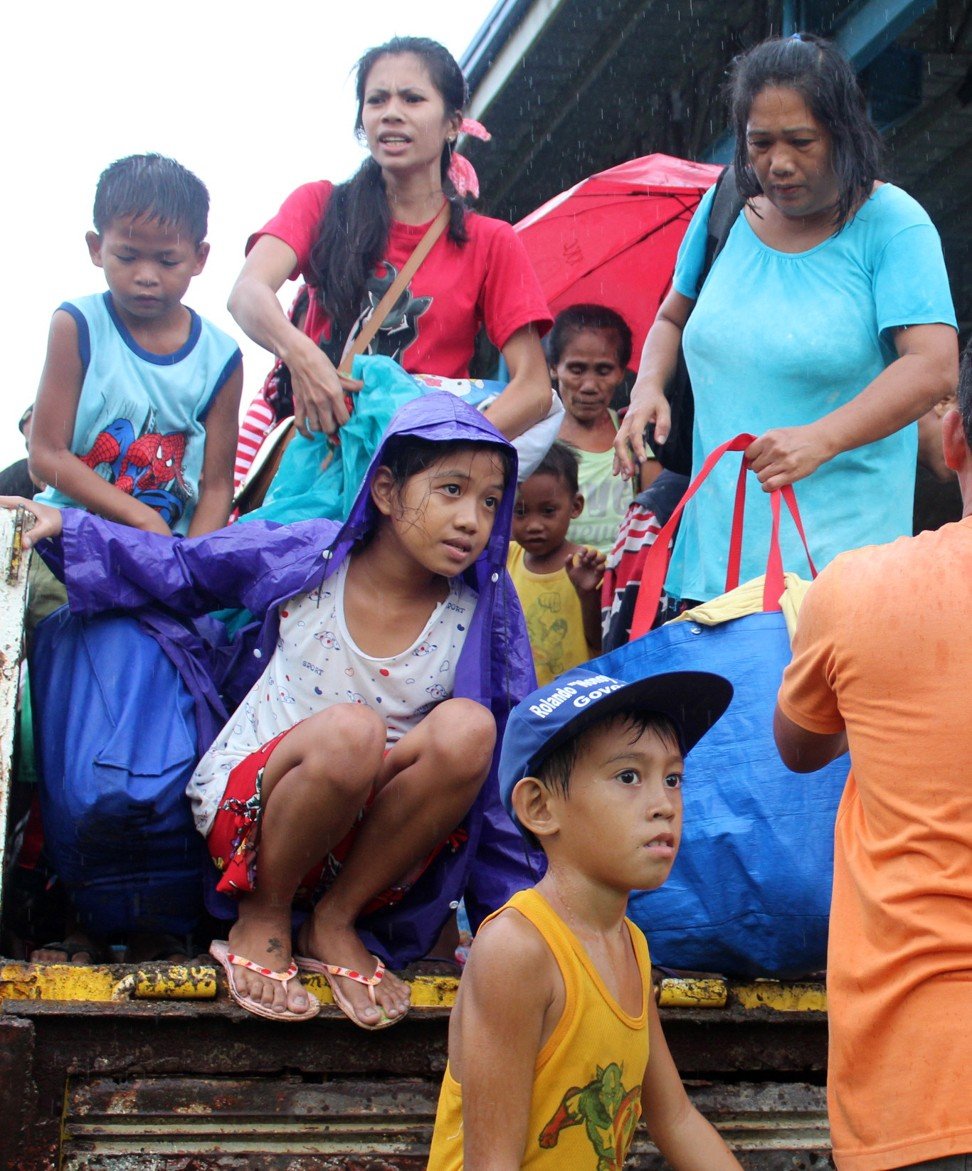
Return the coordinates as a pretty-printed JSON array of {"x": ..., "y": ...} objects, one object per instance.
[
  {"x": 135, "y": 420},
  {"x": 555, "y": 1043},
  {"x": 136, "y": 414}
]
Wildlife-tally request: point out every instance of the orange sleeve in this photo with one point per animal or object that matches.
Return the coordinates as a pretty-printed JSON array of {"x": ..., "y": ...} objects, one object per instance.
[{"x": 809, "y": 692}]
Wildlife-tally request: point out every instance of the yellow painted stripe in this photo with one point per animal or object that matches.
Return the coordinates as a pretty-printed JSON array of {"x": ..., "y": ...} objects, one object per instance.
[
  {"x": 781, "y": 996},
  {"x": 174, "y": 982},
  {"x": 697, "y": 992},
  {"x": 427, "y": 991},
  {"x": 98, "y": 982},
  {"x": 101, "y": 983}
]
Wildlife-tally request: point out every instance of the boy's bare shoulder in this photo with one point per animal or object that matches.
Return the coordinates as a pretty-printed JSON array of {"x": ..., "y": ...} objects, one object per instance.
[
  {"x": 509, "y": 924},
  {"x": 509, "y": 943},
  {"x": 64, "y": 324}
]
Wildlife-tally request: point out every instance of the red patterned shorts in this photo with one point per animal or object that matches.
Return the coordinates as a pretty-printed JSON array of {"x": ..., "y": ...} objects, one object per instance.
[{"x": 234, "y": 840}]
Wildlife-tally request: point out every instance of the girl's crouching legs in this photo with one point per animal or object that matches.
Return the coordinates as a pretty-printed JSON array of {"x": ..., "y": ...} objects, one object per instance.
[
  {"x": 314, "y": 784},
  {"x": 427, "y": 784}
]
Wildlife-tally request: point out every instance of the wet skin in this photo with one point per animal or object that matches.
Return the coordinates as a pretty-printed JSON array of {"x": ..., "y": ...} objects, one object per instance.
[
  {"x": 588, "y": 374},
  {"x": 404, "y": 117},
  {"x": 791, "y": 153},
  {"x": 620, "y": 824}
]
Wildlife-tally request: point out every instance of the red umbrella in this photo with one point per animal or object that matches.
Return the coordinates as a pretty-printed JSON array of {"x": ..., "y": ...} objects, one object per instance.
[{"x": 612, "y": 238}]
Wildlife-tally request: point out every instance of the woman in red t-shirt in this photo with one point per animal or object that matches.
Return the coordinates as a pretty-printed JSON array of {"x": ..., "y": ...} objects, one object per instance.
[{"x": 348, "y": 242}]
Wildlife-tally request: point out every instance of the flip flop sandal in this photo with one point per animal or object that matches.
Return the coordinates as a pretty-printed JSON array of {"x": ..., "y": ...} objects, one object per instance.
[
  {"x": 219, "y": 950},
  {"x": 307, "y": 964}
]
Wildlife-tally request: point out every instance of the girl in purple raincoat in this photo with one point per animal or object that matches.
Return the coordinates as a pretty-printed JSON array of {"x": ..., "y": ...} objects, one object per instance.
[{"x": 360, "y": 763}]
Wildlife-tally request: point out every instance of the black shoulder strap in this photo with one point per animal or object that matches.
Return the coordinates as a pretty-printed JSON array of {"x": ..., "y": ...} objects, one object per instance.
[
  {"x": 727, "y": 203},
  {"x": 676, "y": 453}
]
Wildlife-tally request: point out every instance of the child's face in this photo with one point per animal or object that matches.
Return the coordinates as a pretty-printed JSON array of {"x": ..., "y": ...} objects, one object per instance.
[
  {"x": 544, "y": 508},
  {"x": 588, "y": 373},
  {"x": 621, "y": 820},
  {"x": 148, "y": 265},
  {"x": 443, "y": 516}
]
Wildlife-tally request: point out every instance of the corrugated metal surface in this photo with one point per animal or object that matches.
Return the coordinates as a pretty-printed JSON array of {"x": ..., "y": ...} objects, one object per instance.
[
  {"x": 236, "y": 1122},
  {"x": 351, "y": 1123},
  {"x": 142, "y": 1082}
]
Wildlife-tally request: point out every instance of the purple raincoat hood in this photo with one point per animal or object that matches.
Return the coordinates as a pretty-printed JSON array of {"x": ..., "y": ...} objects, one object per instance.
[
  {"x": 439, "y": 417},
  {"x": 495, "y": 668},
  {"x": 483, "y": 665}
]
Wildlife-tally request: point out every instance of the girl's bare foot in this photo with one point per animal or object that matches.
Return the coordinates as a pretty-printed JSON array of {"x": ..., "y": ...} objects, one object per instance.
[
  {"x": 339, "y": 944},
  {"x": 266, "y": 942}
]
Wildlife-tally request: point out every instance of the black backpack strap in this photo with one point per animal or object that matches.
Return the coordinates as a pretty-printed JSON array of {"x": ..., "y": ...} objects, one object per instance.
[
  {"x": 676, "y": 453},
  {"x": 727, "y": 203}
]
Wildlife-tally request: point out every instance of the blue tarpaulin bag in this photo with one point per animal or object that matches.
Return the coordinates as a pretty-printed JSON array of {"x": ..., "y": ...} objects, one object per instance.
[
  {"x": 118, "y": 827},
  {"x": 749, "y": 894}
]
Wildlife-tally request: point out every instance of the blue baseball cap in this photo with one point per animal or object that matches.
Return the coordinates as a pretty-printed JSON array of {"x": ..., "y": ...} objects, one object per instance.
[{"x": 551, "y": 715}]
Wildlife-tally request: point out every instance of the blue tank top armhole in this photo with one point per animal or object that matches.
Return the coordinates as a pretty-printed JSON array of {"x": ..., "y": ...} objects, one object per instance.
[
  {"x": 232, "y": 364},
  {"x": 84, "y": 335}
]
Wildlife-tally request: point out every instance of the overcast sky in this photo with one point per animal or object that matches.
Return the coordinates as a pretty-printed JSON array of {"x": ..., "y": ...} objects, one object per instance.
[{"x": 255, "y": 97}]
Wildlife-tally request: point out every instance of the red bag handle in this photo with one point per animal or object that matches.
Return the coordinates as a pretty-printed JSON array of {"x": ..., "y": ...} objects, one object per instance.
[
  {"x": 658, "y": 556},
  {"x": 735, "y": 537}
]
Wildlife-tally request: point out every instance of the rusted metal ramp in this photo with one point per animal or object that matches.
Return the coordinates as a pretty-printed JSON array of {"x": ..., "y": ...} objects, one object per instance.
[
  {"x": 291, "y": 1125},
  {"x": 121, "y": 1067}
]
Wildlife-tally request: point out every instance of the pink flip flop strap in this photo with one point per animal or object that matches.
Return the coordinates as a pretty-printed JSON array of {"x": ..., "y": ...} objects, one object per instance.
[
  {"x": 243, "y": 962},
  {"x": 358, "y": 977}
]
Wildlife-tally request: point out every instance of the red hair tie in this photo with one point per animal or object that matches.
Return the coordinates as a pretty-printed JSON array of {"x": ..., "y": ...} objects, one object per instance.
[{"x": 461, "y": 171}]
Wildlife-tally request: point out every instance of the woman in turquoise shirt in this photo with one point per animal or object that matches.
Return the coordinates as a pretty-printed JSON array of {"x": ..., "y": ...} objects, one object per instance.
[{"x": 825, "y": 326}]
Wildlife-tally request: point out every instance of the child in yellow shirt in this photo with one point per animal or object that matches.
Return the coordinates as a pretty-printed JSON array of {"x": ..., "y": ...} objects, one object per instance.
[{"x": 558, "y": 581}]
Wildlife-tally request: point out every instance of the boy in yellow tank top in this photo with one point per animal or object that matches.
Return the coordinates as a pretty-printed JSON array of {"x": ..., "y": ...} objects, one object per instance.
[{"x": 555, "y": 1044}]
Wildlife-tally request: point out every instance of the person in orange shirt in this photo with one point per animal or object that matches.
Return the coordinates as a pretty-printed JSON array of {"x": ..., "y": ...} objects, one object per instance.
[{"x": 883, "y": 669}]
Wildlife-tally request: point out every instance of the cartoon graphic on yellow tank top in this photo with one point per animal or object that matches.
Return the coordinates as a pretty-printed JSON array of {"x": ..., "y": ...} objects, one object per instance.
[{"x": 608, "y": 1112}]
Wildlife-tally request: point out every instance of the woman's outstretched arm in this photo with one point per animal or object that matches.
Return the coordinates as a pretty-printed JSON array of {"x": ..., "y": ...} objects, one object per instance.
[
  {"x": 648, "y": 402},
  {"x": 318, "y": 388},
  {"x": 925, "y": 370},
  {"x": 527, "y": 397}
]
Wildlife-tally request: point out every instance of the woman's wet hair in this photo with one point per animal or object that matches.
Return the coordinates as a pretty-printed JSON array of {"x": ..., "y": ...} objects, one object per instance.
[
  {"x": 353, "y": 233},
  {"x": 824, "y": 78},
  {"x": 407, "y": 455},
  {"x": 152, "y": 187},
  {"x": 576, "y": 318}
]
